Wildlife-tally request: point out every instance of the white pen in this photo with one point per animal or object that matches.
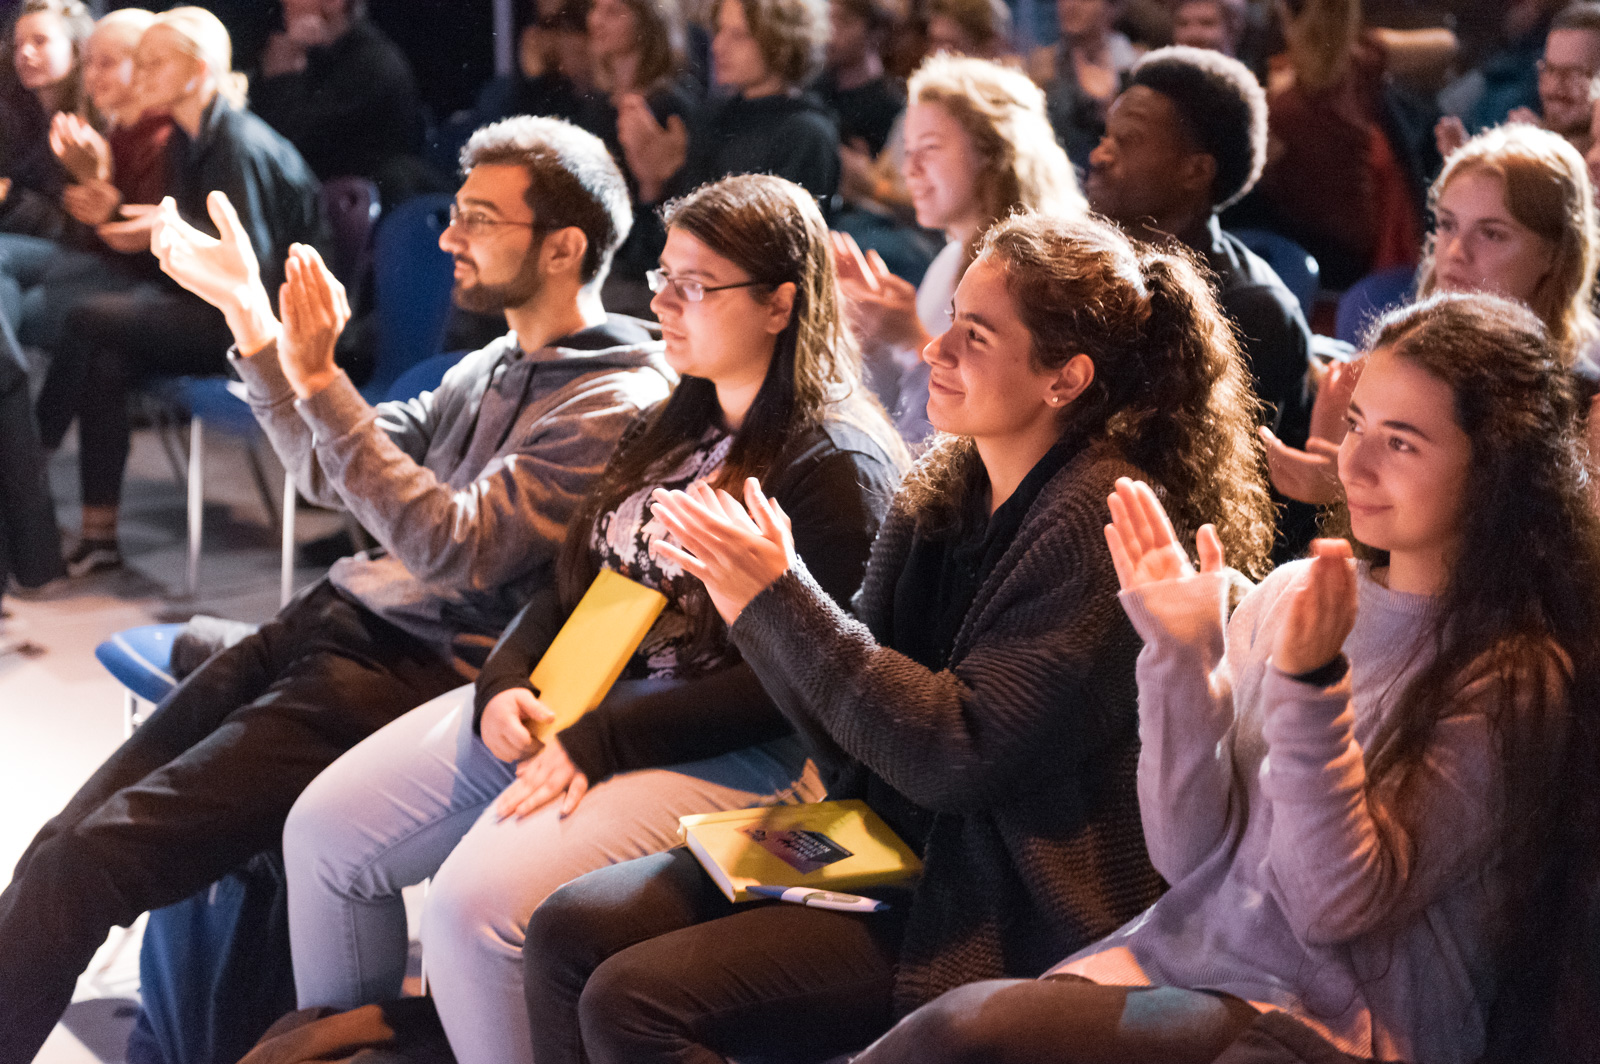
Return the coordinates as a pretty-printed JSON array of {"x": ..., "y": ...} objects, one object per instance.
[{"x": 821, "y": 899}]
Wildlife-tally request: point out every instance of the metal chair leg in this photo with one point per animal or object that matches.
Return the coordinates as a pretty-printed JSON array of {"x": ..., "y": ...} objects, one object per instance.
[
  {"x": 196, "y": 501},
  {"x": 130, "y": 713},
  {"x": 290, "y": 502}
]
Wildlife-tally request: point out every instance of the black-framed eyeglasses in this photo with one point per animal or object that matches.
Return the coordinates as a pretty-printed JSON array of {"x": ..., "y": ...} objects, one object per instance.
[
  {"x": 685, "y": 289},
  {"x": 475, "y": 222}
]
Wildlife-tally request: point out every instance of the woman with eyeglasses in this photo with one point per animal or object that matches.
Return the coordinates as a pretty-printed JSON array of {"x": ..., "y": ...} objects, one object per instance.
[{"x": 770, "y": 388}]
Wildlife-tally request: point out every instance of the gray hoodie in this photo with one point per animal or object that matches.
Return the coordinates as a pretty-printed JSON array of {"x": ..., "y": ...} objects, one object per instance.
[{"x": 468, "y": 488}]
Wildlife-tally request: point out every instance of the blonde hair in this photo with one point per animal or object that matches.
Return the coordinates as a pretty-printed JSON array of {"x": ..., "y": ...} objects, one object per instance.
[
  {"x": 1547, "y": 189},
  {"x": 1003, "y": 113},
  {"x": 206, "y": 38},
  {"x": 134, "y": 20}
]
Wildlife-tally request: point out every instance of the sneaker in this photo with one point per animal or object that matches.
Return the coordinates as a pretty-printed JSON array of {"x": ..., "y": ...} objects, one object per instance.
[{"x": 93, "y": 556}]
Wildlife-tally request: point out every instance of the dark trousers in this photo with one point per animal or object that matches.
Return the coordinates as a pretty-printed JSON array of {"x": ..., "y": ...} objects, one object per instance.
[
  {"x": 1065, "y": 1021},
  {"x": 111, "y": 342},
  {"x": 30, "y": 547},
  {"x": 646, "y": 961},
  {"x": 201, "y": 787}
]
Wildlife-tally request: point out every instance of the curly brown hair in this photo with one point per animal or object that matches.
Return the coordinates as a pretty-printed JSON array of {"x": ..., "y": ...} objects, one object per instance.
[{"x": 1170, "y": 389}]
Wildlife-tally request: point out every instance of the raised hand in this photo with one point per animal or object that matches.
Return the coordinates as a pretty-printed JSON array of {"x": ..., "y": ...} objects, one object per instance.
[
  {"x": 1311, "y": 475},
  {"x": 222, "y": 270},
  {"x": 882, "y": 307},
  {"x": 654, "y": 152},
  {"x": 1449, "y": 134},
  {"x": 736, "y": 552},
  {"x": 1144, "y": 547},
  {"x": 82, "y": 151},
  {"x": 315, "y": 310},
  {"x": 1322, "y": 610},
  {"x": 508, "y": 722},
  {"x": 539, "y": 779}
]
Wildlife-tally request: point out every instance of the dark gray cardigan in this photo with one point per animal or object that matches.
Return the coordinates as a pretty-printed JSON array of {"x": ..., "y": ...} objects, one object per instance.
[{"x": 1023, "y": 750}]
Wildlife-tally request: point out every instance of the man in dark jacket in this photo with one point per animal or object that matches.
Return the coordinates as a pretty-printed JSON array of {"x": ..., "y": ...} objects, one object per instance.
[
  {"x": 343, "y": 94},
  {"x": 1187, "y": 138},
  {"x": 468, "y": 489}
]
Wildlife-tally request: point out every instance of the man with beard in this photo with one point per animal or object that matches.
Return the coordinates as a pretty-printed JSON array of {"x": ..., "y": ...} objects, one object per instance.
[
  {"x": 468, "y": 489},
  {"x": 1186, "y": 138}
]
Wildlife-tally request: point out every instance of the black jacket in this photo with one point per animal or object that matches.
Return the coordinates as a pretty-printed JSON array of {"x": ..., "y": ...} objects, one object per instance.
[
  {"x": 351, "y": 110},
  {"x": 264, "y": 177},
  {"x": 835, "y": 483}
]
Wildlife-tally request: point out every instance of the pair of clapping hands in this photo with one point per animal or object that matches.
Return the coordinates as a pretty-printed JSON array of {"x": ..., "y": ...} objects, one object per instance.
[
  {"x": 223, "y": 271},
  {"x": 92, "y": 199},
  {"x": 1322, "y": 605},
  {"x": 736, "y": 551}
]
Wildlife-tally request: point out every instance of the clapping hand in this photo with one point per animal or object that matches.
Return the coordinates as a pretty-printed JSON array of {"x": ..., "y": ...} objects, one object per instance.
[
  {"x": 92, "y": 202},
  {"x": 654, "y": 152},
  {"x": 1312, "y": 475},
  {"x": 315, "y": 311},
  {"x": 1144, "y": 548},
  {"x": 83, "y": 152},
  {"x": 737, "y": 553},
  {"x": 222, "y": 270},
  {"x": 132, "y": 234},
  {"x": 1322, "y": 610},
  {"x": 882, "y": 307}
]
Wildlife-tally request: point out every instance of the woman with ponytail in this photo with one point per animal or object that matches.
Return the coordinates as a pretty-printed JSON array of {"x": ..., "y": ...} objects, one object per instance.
[
  {"x": 1373, "y": 788},
  {"x": 981, "y": 699}
]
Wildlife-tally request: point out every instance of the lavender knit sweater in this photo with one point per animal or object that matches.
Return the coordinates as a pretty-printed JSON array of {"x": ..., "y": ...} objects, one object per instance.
[{"x": 1251, "y": 788}]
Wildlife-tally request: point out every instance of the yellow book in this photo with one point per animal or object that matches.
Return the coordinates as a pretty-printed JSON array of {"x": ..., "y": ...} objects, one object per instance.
[
  {"x": 592, "y": 648},
  {"x": 839, "y": 846}
]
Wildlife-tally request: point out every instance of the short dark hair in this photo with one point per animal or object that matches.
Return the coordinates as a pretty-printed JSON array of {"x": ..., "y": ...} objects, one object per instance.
[
  {"x": 879, "y": 15},
  {"x": 1583, "y": 15},
  {"x": 1220, "y": 105},
  {"x": 572, "y": 180}
]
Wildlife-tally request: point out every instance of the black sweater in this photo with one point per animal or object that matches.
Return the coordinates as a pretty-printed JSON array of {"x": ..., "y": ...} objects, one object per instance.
[
  {"x": 835, "y": 482},
  {"x": 1015, "y": 763},
  {"x": 790, "y": 136}
]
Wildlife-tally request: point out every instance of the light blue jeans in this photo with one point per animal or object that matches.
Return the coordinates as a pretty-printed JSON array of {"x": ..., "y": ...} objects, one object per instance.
[{"x": 413, "y": 801}]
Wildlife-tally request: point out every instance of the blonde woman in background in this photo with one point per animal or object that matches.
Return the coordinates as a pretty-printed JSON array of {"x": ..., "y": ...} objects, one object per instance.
[
  {"x": 112, "y": 340},
  {"x": 977, "y": 147}
]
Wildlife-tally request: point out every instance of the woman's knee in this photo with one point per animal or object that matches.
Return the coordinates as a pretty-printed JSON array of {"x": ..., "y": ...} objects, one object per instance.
[{"x": 955, "y": 1028}]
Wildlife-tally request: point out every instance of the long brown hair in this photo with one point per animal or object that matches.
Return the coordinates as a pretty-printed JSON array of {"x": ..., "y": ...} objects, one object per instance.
[
  {"x": 772, "y": 230},
  {"x": 1547, "y": 189},
  {"x": 1170, "y": 390},
  {"x": 1003, "y": 114},
  {"x": 1530, "y": 626}
]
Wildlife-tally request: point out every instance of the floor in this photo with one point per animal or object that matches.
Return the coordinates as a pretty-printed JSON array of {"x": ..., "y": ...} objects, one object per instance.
[{"x": 61, "y": 713}]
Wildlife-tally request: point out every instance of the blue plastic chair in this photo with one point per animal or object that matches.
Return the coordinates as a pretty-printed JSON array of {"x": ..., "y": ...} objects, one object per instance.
[
  {"x": 1293, "y": 264},
  {"x": 1369, "y": 298},
  {"x": 141, "y": 660}
]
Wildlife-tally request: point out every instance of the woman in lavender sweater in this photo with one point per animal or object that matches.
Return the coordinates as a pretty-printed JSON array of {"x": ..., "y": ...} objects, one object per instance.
[{"x": 1372, "y": 787}]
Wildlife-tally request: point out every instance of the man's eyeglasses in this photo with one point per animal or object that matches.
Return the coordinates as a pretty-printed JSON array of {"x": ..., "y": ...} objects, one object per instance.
[
  {"x": 687, "y": 290},
  {"x": 1563, "y": 72},
  {"x": 476, "y": 223}
]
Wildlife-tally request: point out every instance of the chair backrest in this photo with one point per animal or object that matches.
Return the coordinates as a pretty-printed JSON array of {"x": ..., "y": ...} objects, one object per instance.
[
  {"x": 425, "y": 376},
  {"x": 1293, "y": 264},
  {"x": 350, "y": 205},
  {"x": 1369, "y": 298},
  {"x": 412, "y": 279}
]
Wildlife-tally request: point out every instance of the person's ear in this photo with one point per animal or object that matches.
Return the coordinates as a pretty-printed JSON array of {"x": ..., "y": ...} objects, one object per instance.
[
  {"x": 1070, "y": 381},
  {"x": 1197, "y": 174},
  {"x": 563, "y": 250},
  {"x": 780, "y": 307}
]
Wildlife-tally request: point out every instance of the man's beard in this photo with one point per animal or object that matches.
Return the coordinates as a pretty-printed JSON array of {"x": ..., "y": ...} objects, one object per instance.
[{"x": 495, "y": 298}]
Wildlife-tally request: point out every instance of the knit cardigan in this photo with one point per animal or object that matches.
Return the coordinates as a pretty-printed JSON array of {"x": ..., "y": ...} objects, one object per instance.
[{"x": 1023, "y": 749}]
